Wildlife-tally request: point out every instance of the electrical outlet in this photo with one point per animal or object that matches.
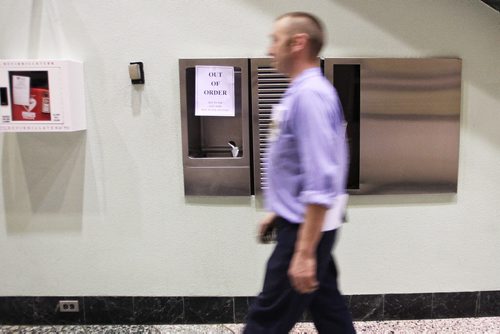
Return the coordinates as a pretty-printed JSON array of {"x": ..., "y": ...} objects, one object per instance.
[{"x": 69, "y": 306}]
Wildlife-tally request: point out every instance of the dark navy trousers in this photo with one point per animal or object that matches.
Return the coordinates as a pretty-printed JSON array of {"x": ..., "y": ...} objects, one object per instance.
[{"x": 278, "y": 307}]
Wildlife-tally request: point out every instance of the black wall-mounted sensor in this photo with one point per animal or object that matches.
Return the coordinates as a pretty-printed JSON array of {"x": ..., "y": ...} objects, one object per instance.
[{"x": 136, "y": 72}]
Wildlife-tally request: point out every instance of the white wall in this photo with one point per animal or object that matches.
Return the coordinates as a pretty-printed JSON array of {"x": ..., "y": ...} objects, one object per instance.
[{"x": 103, "y": 212}]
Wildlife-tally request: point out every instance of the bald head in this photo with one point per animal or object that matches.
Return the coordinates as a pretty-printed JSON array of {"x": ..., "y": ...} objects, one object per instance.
[{"x": 305, "y": 23}]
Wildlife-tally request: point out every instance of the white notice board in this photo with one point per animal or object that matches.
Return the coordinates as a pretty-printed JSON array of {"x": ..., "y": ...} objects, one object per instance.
[{"x": 214, "y": 91}]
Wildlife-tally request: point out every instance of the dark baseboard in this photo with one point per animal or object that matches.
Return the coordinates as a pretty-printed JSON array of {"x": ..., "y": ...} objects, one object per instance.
[{"x": 214, "y": 310}]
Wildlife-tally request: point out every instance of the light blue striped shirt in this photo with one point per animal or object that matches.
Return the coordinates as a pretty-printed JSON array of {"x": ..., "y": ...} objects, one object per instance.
[{"x": 308, "y": 157}]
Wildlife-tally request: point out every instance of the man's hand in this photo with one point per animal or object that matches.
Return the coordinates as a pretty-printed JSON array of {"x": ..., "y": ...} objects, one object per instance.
[
  {"x": 302, "y": 269},
  {"x": 264, "y": 226},
  {"x": 302, "y": 272}
]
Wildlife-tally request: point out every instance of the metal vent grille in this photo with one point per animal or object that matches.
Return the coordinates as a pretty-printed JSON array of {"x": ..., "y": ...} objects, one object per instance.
[{"x": 271, "y": 85}]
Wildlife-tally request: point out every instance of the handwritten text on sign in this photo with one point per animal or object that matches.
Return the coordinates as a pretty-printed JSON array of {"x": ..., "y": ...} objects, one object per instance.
[{"x": 214, "y": 91}]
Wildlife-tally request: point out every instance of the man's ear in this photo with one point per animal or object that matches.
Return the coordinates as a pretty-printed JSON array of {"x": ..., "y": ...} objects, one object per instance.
[{"x": 298, "y": 42}]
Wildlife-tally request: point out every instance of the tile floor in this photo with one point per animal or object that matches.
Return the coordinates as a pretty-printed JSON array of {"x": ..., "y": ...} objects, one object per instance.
[{"x": 439, "y": 326}]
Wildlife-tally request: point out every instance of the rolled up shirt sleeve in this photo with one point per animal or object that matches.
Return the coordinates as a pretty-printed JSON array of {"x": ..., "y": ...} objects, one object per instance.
[{"x": 317, "y": 125}]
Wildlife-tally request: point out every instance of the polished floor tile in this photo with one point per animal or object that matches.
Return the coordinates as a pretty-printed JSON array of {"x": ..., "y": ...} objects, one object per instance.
[{"x": 439, "y": 326}]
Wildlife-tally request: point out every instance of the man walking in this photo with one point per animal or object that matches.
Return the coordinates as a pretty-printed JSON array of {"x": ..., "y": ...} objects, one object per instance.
[{"x": 307, "y": 176}]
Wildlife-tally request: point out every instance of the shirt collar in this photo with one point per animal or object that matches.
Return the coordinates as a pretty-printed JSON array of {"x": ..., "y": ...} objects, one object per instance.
[{"x": 311, "y": 72}]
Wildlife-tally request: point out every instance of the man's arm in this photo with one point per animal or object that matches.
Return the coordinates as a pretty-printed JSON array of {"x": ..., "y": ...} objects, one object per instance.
[
  {"x": 302, "y": 270},
  {"x": 314, "y": 124}
]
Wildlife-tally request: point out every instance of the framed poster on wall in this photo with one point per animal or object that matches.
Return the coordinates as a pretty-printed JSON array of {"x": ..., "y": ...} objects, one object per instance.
[{"x": 41, "y": 96}]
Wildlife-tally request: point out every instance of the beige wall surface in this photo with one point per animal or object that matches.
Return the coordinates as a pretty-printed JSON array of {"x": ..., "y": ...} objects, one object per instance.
[{"x": 103, "y": 212}]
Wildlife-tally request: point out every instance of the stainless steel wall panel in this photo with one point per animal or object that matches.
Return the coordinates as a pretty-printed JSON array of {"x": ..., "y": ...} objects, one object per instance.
[
  {"x": 268, "y": 86},
  {"x": 410, "y": 124},
  {"x": 406, "y": 134},
  {"x": 226, "y": 181},
  {"x": 209, "y": 167}
]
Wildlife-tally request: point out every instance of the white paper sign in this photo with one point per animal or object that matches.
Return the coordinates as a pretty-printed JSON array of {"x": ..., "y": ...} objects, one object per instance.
[
  {"x": 21, "y": 86},
  {"x": 214, "y": 91}
]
